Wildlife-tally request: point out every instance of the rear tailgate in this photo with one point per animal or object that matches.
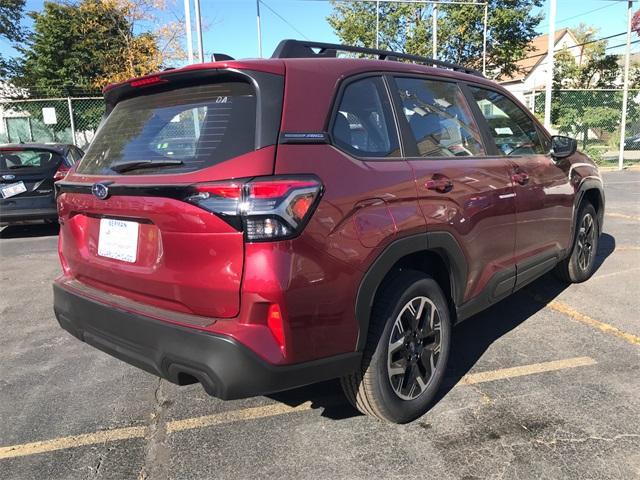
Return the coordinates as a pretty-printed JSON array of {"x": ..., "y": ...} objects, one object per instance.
[
  {"x": 141, "y": 240},
  {"x": 26, "y": 177}
]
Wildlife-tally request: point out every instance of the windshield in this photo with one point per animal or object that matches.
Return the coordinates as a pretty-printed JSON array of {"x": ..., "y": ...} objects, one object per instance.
[
  {"x": 182, "y": 130},
  {"x": 33, "y": 160}
]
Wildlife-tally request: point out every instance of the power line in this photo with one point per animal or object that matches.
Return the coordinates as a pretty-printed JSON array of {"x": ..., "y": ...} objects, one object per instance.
[
  {"x": 282, "y": 18},
  {"x": 576, "y": 46},
  {"x": 607, "y": 48},
  {"x": 579, "y": 15}
]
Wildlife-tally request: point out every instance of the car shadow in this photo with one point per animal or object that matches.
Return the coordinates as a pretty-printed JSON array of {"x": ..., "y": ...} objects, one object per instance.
[
  {"x": 470, "y": 341},
  {"x": 30, "y": 230}
]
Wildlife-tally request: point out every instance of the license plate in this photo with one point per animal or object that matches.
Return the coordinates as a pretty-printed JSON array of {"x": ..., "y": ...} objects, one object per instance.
[
  {"x": 13, "y": 189},
  {"x": 118, "y": 239}
]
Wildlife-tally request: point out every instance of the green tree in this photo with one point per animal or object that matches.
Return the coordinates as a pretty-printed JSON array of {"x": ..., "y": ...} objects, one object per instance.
[
  {"x": 79, "y": 46},
  {"x": 10, "y": 30},
  {"x": 407, "y": 28}
]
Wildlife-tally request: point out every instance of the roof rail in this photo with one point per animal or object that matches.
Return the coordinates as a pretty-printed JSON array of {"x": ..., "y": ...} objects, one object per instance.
[{"x": 305, "y": 49}]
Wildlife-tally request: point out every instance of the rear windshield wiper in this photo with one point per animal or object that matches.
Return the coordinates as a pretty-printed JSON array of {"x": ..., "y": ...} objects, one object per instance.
[{"x": 136, "y": 164}]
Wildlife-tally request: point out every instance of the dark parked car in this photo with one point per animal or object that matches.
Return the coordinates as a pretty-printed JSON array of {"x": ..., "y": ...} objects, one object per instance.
[
  {"x": 632, "y": 143},
  {"x": 336, "y": 217},
  {"x": 27, "y": 174}
]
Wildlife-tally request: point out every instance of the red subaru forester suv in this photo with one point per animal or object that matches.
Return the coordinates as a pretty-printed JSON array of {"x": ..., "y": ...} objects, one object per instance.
[{"x": 260, "y": 225}]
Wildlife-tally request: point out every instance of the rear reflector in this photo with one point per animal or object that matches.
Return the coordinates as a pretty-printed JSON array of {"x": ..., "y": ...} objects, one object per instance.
[
  {"x": 275, "y": 324},
  {"x": 266, "y": 208}
]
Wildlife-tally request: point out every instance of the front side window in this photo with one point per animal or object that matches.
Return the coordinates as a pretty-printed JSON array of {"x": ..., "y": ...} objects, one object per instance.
[
  {"x": 363, "y": 125},
  {"x": 439, "y": 118},
  {"x": 512, "y": 129}
]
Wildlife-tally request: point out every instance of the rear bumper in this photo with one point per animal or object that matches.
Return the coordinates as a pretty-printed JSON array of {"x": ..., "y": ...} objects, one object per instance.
[
  {"x": 225, "y": 368},
  {"x": 27, "y": 214}
]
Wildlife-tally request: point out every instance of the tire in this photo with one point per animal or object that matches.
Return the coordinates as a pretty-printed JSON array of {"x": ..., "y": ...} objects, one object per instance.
[
  {"x": 580, "y": 264},
  {"x": 387, "y": 385}
]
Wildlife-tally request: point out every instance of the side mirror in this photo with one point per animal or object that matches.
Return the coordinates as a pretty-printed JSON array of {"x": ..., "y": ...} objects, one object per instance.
[{"x": 563, "y": 147}]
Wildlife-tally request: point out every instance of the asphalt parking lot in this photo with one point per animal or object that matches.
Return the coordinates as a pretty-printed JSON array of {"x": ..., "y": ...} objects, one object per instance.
[{"x": 545, "y": 384}]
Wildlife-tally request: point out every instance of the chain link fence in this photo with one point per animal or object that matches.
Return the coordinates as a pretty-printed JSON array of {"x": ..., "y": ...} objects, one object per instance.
[
  {"x": 593, "y": 118},
  {"x": 65, "y": 120},
  {"x": 590, "y": 116}
]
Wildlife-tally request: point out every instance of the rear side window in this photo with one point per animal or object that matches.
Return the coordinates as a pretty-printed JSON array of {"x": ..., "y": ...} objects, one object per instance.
[
  {"x": 28, "y": 160},
  {"x": 512, "y": 129},
  {"x": 439, "y": 118},
  {"x": 363, "y": 125},
  {"x": 200, "y": 126}
]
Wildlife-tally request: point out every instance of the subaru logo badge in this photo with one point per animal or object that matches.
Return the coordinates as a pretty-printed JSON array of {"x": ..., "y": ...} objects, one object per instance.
[
  {"x": 100, "y": 190},
  {"x": 8, "y": 177}
]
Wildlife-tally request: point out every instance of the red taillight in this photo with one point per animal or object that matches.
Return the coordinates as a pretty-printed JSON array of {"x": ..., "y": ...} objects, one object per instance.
[
  {"x": 61, "y": 172},
  {"x": 275, "y": 324},
  {"x": 268, "y": 208},
  {"x": 276, "y": 188},
  {"x": 232, "y": 190},
  {"x": 300, "y": 206}
]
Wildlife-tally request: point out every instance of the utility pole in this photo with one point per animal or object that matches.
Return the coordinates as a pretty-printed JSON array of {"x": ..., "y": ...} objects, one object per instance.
[
  {"x": 199, "y": 31},
  {"x": 484, "y": 39},
  {"x": 187, "y": 27},
  {"x": 259, "y": 29},
  {"x": 550, "y": 57},
  {"x": 377, "y": 23},
  {"x": 434, "y": 31},
  {"x": 625, "y": 88}
]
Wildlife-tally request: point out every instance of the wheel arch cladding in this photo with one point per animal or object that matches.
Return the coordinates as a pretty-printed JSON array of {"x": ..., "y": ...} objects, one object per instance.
[
  {"x": 592, "y": 191},
  {"x": 435, "y": 253}
]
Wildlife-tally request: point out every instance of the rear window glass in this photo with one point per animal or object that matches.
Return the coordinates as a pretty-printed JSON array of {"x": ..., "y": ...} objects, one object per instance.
[
  {"x": 22, "y": 160},
  {"x": 200, "y": 126}
]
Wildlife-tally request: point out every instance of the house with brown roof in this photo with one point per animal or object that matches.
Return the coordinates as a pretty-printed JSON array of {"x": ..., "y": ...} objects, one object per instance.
[{"x": 531, "y": 75}]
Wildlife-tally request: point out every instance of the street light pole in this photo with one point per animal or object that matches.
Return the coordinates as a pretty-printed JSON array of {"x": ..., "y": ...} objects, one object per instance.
[
  {"x": 434, "y": 32},
  {"x": 199, "y": 31},
  {"x": 625, "y": 87},
  {"x": 484, "y": 39},
  {"x": 550, "y": 57},
  {"x": 377, "y": 23},
  {"x": 187, "y": 27},
  {"x": 259, "y": 28}
]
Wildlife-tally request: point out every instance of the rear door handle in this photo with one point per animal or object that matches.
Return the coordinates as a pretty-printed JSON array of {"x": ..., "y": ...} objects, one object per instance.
[
  {"x": 439, "y": 183},
  {"x": 520, "y": 177}
]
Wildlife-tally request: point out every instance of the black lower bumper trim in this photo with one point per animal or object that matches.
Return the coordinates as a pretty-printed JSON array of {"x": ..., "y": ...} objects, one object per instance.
[
  {"x": 27, "y": 215},
  {"x": 225, "y": 368}
]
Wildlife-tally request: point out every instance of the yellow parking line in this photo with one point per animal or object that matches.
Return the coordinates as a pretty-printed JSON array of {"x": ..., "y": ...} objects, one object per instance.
[
  {"x": 72, "y": 441},
  {"x": 625, "y": 248},
  {"x": 622, "y": 215},
  {"x": 253, "y": 413},
  {"x": 619, "y": 272},
  {"x": 581, "y": 317},
  {"x": 234, "y": 416},
  {"x": 503, "y": 373}
]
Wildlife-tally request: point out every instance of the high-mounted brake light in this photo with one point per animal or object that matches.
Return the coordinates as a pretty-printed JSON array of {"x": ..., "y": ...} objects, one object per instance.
[
  {"x": 143, "y": 82},
  {"x": 267, "y": 208}
]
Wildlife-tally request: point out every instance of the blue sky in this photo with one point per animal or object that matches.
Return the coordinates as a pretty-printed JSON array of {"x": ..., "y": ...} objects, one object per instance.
[{"x": 232, "y": 23}]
